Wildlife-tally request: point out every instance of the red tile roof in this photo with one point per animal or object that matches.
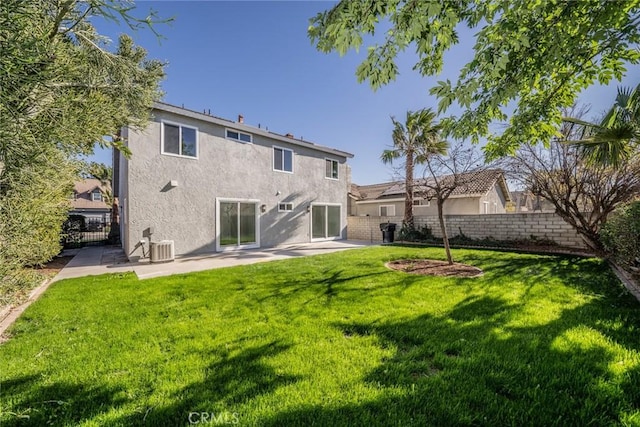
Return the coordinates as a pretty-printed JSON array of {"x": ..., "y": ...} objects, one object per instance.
[{"x": 473, "y": 183}]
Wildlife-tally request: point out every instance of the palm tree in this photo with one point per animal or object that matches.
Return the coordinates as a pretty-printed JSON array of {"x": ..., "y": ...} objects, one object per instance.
[
  {"x": 415, "y": 141},
  {"x": 616, "y": 137}
]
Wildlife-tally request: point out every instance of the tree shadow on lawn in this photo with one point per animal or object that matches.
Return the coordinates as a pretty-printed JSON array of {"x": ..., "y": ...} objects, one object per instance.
[
  {"x": 590, "y": 276},
  {"x": 227, "y": 383},
  {"x": 471, "y": 367},
  {"x": 65, "y": 403},
  {"x": 334, "y": 283}
]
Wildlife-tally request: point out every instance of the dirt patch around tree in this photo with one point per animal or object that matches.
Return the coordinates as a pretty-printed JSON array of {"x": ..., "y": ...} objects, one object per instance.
[{"x": 429, "y": 267}]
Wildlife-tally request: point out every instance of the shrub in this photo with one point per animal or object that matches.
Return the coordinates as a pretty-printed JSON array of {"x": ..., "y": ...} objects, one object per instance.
[
  {"x": 34, "y": 202},
  {"x": 410, "y": 234},
  {"x": 621, "y": 235}
]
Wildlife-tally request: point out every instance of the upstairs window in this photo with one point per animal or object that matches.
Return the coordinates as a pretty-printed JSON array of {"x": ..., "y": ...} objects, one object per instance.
[
  {"x": 282, "y": 159},
  {"x": 96, "y": 196},
  {"x": 331, "y": 169},
  {"x": 238, "y": 136},
  {"x": 179, "y": 140}
]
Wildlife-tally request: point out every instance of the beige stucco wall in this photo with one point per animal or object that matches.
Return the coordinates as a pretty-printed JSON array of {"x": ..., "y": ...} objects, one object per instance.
[
  {"x": 224, "y": 169},
  {"x": 461, "y": 206},
  {"x": 373, "y": 209},
  {"x": 494, "y": 200}
]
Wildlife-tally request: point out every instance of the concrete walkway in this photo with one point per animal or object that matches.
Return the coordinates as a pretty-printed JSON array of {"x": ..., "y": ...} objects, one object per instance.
[{"x": 95, "y": 260}]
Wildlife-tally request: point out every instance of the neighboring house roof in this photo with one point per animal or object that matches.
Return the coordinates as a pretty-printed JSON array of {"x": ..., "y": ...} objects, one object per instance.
[
  {"x": 369, "y": 192},
  {"x": 475, "y": 184},
  {"x": 246, "y": 128},
  {"x": 83, "y": 195}
]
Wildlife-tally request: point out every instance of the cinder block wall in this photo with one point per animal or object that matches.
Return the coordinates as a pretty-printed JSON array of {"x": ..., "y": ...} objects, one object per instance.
[{"x": 500, "y": 227}]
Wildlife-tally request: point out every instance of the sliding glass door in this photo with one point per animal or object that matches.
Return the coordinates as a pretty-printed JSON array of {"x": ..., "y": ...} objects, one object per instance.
[
  {"x": 238, "y": 224},
  {"x": 326, "y": 222}
]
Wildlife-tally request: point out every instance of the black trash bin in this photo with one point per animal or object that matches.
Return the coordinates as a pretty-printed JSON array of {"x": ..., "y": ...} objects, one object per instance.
[{"x": 387, "y": 228}]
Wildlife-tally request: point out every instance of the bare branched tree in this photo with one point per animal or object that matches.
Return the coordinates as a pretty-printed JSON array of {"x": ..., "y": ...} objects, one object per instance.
[
  {"x": 457, "y": 171},
  {"x": 583, "y": 193}
]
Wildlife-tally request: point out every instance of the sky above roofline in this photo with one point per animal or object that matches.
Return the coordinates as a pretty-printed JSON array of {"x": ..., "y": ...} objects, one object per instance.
[{"x": 255, "y": 59}]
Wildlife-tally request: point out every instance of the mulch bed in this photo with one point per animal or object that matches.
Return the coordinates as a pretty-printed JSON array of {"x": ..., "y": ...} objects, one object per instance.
[
  {"x": 428, "y": 267},
  {"x": 54, "y": 266}
]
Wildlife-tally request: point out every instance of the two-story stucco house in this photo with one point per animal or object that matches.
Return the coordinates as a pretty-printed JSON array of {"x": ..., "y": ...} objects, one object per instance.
[{"x": 211, "y": 185}]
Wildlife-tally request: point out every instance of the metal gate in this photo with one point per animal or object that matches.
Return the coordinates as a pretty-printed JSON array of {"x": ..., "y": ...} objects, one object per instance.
[{"x": 79, "y": 231}]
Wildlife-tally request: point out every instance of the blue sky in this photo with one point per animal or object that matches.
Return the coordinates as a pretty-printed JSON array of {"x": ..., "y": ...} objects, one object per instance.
[{"x": 254, "y": 58}]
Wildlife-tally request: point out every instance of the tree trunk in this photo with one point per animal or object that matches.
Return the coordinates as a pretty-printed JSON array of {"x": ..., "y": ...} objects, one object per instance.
[
  {"x": 408, "y": 197},
  {"x": 443, "y": 230},
  {"x": 114, "y": 229}
]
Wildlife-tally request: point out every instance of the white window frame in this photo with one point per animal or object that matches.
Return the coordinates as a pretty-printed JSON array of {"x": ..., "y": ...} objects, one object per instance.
[
  {"x": 326, "y": 159},
  {"x": 486, "y": 207},
  {"x": 273, "y": 159},
  {"x": 286, "y": 205},
  {"x": 321, "y": 239},
  {"x": 422, "y": 202},
  {"x": 226, "y": 135},
  {"x": 393, "y": 209},
  {"x": 219, "y": 247},
  {"x": 93, "y": 196},
  {"x": 495, "y": 207},
  {"x": 180, "y": 126}
]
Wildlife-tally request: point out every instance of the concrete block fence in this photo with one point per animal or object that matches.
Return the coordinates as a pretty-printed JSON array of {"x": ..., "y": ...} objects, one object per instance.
[{"x": 498, "y": 226}]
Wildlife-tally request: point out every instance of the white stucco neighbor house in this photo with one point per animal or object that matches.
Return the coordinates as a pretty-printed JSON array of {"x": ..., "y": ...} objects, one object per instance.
[
  {"x": 210, "y": 184},
  {"x": 484, "y": 192}
]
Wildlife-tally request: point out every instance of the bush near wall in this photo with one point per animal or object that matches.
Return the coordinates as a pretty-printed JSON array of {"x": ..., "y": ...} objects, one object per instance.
[{"x": 621, "y": 235}]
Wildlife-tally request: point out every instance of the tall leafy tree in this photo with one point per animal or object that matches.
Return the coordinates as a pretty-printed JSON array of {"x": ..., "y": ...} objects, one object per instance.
[
  {"x": 535, "y": 56},
  {"x": 616, "y": 137},
  {"x": 63, "y": 88},
  {"x": 414, "y": 141}
]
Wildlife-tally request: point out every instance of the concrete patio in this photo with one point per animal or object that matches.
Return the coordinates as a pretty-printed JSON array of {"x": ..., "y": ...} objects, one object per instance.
[{"x": 96, "y": 260}]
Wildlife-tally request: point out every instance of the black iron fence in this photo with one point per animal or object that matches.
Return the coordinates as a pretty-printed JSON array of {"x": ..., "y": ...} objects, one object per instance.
[{"x": 79, "y": 231}]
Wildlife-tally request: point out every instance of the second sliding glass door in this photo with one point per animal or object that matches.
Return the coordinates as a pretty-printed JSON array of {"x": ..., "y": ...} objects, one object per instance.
[{"x": 325, "y": 222}]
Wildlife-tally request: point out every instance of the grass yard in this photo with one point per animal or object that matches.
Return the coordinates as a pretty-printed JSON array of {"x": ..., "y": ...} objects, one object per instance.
[{"x": 331, "y": 340}]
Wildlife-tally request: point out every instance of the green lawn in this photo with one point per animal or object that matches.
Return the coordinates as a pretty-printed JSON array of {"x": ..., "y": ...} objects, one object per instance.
[{"x": 332, "y": 340}]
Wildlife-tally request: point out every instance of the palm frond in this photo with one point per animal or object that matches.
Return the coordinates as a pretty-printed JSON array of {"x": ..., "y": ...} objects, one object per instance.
[
  {"x": 614, "y": 139},
  {"x": 388, "y": 156}
]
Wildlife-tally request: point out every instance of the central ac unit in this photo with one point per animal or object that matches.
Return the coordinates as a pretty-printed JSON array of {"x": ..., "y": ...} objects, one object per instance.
[{"x": 162, "y": 251}]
